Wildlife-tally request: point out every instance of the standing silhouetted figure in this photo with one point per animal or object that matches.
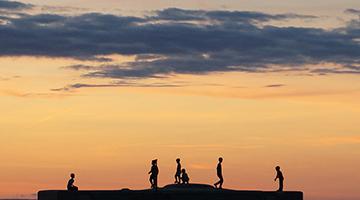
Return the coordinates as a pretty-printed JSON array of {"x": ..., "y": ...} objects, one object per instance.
[
  {"x": 178, "y": 172},
  {"x": 279, "y": 176},
  {"x": 219, "y": 174},
  {"x": 154, "y": 172},
  {"x": 184, "y": 177},
  {"x": 70, "y": 185}
]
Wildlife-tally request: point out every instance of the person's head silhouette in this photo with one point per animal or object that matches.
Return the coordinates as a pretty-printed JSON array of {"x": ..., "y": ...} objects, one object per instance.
[
  {"x": 178, "y": 160},
  {"x": 72, "y": 175},
  {"x": 154, "y": 162},
  {"x": 220, "y": 159},
  {"x": 277, "y": 168},
  {"x": 183, "y": 171}
]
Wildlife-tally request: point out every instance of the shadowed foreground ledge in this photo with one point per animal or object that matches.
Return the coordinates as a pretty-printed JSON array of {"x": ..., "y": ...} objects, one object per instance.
[{"x": 170, "y": 192}]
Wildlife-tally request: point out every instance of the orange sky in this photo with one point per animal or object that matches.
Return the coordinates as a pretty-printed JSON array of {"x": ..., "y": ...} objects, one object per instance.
[
  {"x": 108, "y": 136},
  {"x": 306, "y": 122}
]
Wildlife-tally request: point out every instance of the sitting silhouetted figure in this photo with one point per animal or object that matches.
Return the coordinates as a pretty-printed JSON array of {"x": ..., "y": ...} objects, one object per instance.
[
  {"x": 70, "y": 185},
  {"x": 219, "y": 174},
  {"x": 184, "y": 177},
  {"x": 279, "y": 176},
  {"x": 178, "y": 172},
  {"x": 154, "y": 171}
]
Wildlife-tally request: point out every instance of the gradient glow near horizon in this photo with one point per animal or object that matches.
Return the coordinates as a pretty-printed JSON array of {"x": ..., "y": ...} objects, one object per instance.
[{"x": 101, "y": 95}]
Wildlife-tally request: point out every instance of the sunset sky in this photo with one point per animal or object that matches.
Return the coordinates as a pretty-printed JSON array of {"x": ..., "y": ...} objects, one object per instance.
[{"x": 100, "y": 88}]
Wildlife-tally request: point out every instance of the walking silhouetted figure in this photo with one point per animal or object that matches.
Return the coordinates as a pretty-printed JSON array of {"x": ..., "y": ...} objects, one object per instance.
[
  {"x": 70, "y": 185},
  {"x": 184, "y": 177},
  {"x": 219, "y": 174},
  {"x": 178, "y": 172},
  {"x": 154, "y": 172},
  {"x": 279, "y": 176}
]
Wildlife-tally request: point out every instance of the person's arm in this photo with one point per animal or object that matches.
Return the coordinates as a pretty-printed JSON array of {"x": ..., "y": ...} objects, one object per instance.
[{"x": 277, "y": 176}]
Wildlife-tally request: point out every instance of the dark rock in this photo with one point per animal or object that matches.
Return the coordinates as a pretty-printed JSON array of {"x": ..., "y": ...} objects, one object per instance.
[{"x": 170, "y": 192}]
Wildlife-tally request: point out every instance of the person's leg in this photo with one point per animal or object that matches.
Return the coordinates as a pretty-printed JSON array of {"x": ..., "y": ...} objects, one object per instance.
[
  {"x": 151, "y": 182},
  {"x": 155, "y": 182},
  {"x": 281, "y": 185},
  {"x": 216, "y": 184},
  {"x": 178, "y": 179},
  {"x": 221, "y": 182},
  {"x": 73, "y": 189}
]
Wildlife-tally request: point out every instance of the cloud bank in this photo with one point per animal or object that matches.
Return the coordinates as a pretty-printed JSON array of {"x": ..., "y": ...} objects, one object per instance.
[
  {"x": 13, "y": 5},
  {"x": 178, "y": 41}
]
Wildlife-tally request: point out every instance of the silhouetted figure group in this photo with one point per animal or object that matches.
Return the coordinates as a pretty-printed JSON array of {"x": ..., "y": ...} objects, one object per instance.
[
  {"x": 181, "y": 177},
  {"x": 70, "y": 185}
]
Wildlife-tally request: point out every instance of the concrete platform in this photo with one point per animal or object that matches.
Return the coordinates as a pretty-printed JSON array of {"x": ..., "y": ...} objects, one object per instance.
[{"x": 170, "y": 192}]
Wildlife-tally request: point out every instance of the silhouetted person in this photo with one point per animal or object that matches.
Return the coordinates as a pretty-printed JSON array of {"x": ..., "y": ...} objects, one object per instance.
[
  {"x": 154, "y": 172},
  {"x": 219, "y": 174},
  {"x": 184, "y": 177},
  {"x": 178, "y": 172},
  {"x": 279, "y": 176},
  {"x": 70, "y": 185}
]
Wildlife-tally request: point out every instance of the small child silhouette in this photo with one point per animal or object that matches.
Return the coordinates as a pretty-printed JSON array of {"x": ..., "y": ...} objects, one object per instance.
[
  {"x": 178, "y": 172},
  {"x": 279, "y": 176},
  {"x": 184, "y": 177},
  {"x": 70, "y": 185},
  {"x": 154, "y": 171}
]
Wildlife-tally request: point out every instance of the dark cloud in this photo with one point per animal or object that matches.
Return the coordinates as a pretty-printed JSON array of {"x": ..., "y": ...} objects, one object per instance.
[
  {"x": 176, "y": 14},
  {"x": 115, "y": 84},
  {"x": 325, "y": 71},
  {"x": 352, "y": 67},
  {"x": 13, "y": 5},
  {"x": 274, "y": 85},
  {"x": 177, "y": 41},
  {"x": 353, "y": 11},
  {"x": 79, "y": 67},
  {"x": 62, "y": 9}
]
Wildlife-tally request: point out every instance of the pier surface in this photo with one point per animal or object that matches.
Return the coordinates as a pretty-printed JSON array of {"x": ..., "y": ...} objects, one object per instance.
[{"x": 170, "y": 192}]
